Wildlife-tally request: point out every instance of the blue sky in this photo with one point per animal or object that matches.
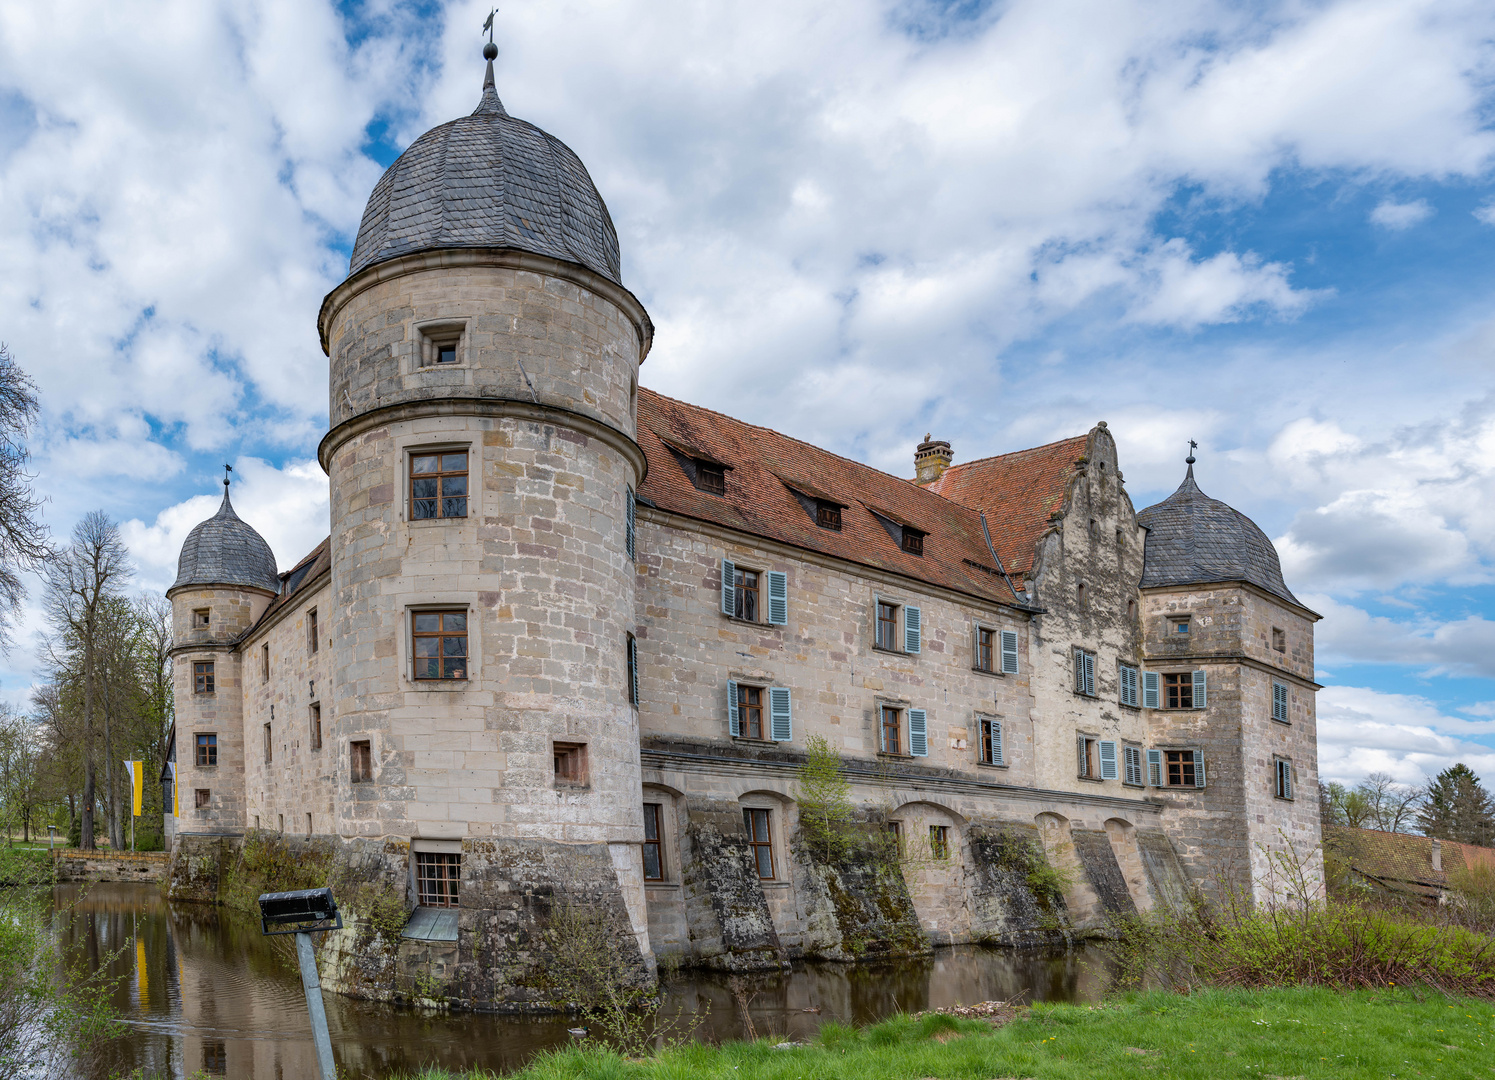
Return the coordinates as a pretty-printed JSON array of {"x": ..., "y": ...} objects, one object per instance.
[{"x": 1267, "y": 227}]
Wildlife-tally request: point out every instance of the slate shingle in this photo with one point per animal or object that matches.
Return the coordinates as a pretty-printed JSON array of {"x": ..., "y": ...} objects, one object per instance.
[{"x": 224, "y": 550}]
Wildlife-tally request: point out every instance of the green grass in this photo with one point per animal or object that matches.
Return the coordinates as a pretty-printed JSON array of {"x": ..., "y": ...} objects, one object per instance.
[
  {"x": 24, "y": 865},
  {"x": 1263, "y": 1034}
]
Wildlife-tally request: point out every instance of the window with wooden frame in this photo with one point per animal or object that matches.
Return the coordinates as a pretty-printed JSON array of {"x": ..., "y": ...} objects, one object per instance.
[
  {"x": 760, "y": 840},
  {"x": 1084, "y": 672},
  {"x": 202, "y": 618},
  {"x": 202, "y": 677},
  {"x": 653, "y": 842},
  {"x": 750, "y": 711},
  {"x": 989, "y": 745},
  {"x": 827, "y": 515},
  {"x": 1096, "y": 758},
  {"x": 312, "y": 644},
  {"x": 985, "y": 640},
  {"x": 891, "y": 724},
  {"x": 894, "y": 829},
  {"x": 745, "y": 595},
  {"x": 207, "y": 750},
  {"x": 1282, "y": 778},
  {"x": 913, "y": 541},
  {"x": 887, "y": 625},
  {"x": 886, "y": 630},
  {"x": 201, "y": 797},
  {"x": 939, "y": 842},
  {"x": 440, "y": 644},
  {"x": 1178, "y": 766},
  {"x": 438, "y": 485},
  {"x": 438, "y": 878},
  {"x": 570, "y": 764},
  {"x": 1183, "y": 690},
  {"x": 315, "y": 718},
  {"x": 711, "y": 477},
  {"x": 360, "y": 761},
  {"x": 269, "y": 745}
]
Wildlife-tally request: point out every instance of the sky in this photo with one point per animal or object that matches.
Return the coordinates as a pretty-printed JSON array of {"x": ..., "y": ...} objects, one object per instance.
[{"x": 1267, "y": 227}]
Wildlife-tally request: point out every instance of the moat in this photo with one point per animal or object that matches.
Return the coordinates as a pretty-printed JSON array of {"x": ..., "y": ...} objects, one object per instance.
[{"x": 201, "y": 989}]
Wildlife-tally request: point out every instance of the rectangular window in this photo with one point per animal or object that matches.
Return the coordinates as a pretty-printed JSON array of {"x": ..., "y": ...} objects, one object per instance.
[
  {"x": 280, "y": 823},
  {"x": 991, "y": 742},
  {"x": 268, "y": 745},
  {"x": 750, "y": 711},
  {"x": 887, "y": 625},
  {"x": 438, "y": 878},
  {"x": 653, "y": 845},
  {"x": 760, "y": 840},
  {"x": 939, "y": 841},
  {"x": 360, "y": 762},
  {"x": 308, "y": 824},
  {"x": 892, "y": 724},
  {"x": 1084, "y": 672},
  {"x": 201, "y": 796},
  {"x": 440, "y": 639},
  {"x": 1178, "y": 690},
  {"x": 1179, "y": 767},
  {"x": 1180, "y": 626},
  {"x": 207, "y": 750},
  {"x": 1127, "y": 677},
  {"x": 202, "y": 677},
  {"x": 1088, "y": 753},
  {"x": 201, "y": 618},
  {"x": 984, "y": 648},
  {"x": 316, "y": 725},
  {"x": 711, "y": 477},
  {"x": 265, "y": 662},
  {"x": 632, "y": 661},
  {"x": 570, "y": 764},
  {"x": 745, "y": 595},
  {"x": 895, "y": 830},
  {"x": 1279, "y": 640},
  {"x": 311, "y": 631},
  {"x": 913, "y": 541},
  {"x": 1280, "y": 703},
  {"x": 1132, "y": 756},
  {"x": 438, "y": 485},
  {"x": 1283, "y": 779},
  {"x": 827, "y": 515}
]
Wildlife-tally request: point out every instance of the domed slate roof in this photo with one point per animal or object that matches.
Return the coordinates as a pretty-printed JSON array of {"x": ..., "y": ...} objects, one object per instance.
[
  {"x": 225, "y": 551},
  {"x": 1195, "y": 540},
  {"x": 488, "y": 180}
]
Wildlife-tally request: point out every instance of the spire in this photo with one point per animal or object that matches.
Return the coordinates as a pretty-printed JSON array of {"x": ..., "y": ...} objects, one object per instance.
[
  {"x": 490, "y": 102},
  {"x": 226, "y": 506},
  {"x": 1190, "y": 460}
]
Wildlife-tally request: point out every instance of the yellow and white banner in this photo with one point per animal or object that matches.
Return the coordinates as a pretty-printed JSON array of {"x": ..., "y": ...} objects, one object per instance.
[{"x": 137, "y": 782}]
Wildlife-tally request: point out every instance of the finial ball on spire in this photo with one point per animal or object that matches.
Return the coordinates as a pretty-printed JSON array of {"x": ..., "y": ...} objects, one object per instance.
[{"x": 490, "y": 51}]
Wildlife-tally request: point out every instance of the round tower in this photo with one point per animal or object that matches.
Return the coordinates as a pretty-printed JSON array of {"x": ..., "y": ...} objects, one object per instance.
[
  {"x": 484, "y": 361},
  {"x": 226, "y": 577}
]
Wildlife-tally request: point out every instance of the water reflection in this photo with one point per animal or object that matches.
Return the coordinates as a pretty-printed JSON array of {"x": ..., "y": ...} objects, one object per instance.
[{"x": 202, "y": 989}]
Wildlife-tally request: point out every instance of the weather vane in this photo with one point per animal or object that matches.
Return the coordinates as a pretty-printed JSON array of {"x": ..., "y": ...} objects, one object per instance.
[
  {"x": 1192, "y": 447},
  {"x": 227, "y": 468},
  {"x": 488, "y": 26}
]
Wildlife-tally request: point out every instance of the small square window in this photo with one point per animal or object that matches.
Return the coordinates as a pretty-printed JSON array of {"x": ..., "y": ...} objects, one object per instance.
[
  {"x": 1180, "y": 626},
  {"x": 711, "y": 477},
  {"x": 570, "y": 764},
  {"x": 201, "y": 618},
  {"x": 360, "y": 762},
  {"x": 440, "y": 345},
  {"x": 438, "y": 878},
  {"x": 913, "y": 541},
  {"x": 201, "y": 797},
  {"x": 207, "y": 750},
  {"x": 827, "y": 515},
  {"x": 202, "y": 677}
]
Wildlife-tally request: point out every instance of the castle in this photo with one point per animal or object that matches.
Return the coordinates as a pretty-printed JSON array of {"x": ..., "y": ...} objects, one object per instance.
[{"x": 567, "y": 640}]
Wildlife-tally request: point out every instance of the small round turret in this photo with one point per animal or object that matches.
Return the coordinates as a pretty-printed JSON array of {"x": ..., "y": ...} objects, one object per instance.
[{"x": 224, "y": 550}]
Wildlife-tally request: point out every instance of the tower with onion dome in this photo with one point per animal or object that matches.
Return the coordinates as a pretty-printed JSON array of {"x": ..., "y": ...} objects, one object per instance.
[
  {"x": 484, "y": 359},
  {"x": 1229, "y": 691},
  {"x": 226, "y": 578}
]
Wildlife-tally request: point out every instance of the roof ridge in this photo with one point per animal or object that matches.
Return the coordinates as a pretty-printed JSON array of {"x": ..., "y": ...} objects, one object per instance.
[{"x": 1014, "y": 453}]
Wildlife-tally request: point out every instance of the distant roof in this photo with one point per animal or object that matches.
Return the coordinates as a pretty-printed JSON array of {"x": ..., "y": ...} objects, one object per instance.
[
  {"x": 224, "y": 550},
  {"x": 1195, "y": 540},
  {"x": 1018, "y": 492},
  {"x": 295, "y": 581},
  {"x": 488, "y": 181},
  {"x": 766, "y": 469},
  {"x": 1401, "y": 861}
]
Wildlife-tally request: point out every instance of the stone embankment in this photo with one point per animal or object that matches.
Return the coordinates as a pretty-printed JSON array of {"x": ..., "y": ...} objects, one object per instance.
[{"x": 74, "y": 865}]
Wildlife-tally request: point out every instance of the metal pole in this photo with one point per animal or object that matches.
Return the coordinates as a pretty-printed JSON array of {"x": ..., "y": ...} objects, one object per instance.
[{"x": 307, "y": 957}]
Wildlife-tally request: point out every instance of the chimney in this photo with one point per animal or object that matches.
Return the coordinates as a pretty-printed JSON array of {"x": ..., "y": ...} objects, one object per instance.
[
  {"x": 1437, "y": 857},
  {"x": 931, "y": 459}
]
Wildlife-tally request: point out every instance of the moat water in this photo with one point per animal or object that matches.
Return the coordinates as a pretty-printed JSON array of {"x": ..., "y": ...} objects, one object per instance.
[{"x": 200, "y": 988}]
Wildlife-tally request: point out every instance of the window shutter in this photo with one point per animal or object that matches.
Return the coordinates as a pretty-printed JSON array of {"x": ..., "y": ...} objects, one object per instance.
[
  {"x": 1292, "y": 774},
  {"x": 1009, "y": 652},
  {"x": 1079, "y": 671},
  {"x": 1199, "y": 768},
  {"x": 1080, "y": 756},
  {"x": 975, "y": 644},
  {"x": 1279, "y": 702},
  {"x": 778, "y": 598},
  {"x": 729, "y": 586},
  {"x": 996, "y": 743},
  {"x": 918, "y": 733},
  {"x": 1128, "y": 684},
  {"x": 1107, "y": 760},
  {"x": 1090, "y": 674},
  {"x": 1155, "y": 768},
  {"x": 1150, "y": 691},
  {"x": 781, "y": 722},
  {"x": 912, "y": 623},
  {"x": 1132, "y": 757},
  {"x": 734, "y": 723},
  {"x": 882, "y": 732},
  {"x": 1199, "y": 692},
  {"x": 633, "y": 667},
  {"x": 631, "y": 533}
]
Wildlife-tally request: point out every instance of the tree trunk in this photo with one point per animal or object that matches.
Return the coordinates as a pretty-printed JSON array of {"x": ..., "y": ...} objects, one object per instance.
[
  {"x": 111, "y": 793},
  {"x": 85, "y": 838}
]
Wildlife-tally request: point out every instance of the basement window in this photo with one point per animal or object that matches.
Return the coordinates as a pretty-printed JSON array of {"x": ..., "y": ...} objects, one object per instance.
[{"x": 438, "y": 878}]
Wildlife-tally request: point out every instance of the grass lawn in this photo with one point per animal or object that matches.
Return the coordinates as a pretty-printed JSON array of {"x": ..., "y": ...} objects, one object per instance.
[
  {"x": 19, "y": 863},
  {"x": 1267, "y": 1034}
]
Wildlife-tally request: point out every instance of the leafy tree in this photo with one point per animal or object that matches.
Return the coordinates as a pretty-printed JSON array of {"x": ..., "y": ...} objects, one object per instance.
[
  {"x": 1458, "y": 808},
  {"x": 825, "y": 811},
  {"x": 23, "y": 538}
]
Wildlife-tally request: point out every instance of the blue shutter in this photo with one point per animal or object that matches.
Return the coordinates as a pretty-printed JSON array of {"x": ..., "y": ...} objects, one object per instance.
[
  {"x": 734, "y": 723},
  {"x": 1128, "y": 685},
  {"x": 1198, "y": 768},
  {"x": 1199, "y": 691},
  {"x": 1155, "y": 768},
  {"x": 1288, "y": 768},
  {"x": 1009, "y": 652},
  {"x": 780, "y": 722},
  {"x": 912, "y": 622},
  {"x": 729, "y": 586},
  {"x": 996, "y": 743},
  {"x": 918, "y": 733},
  {"x": 1107, "y": 760},
  {"x": 1279, "y": 703},
  {"x": 1132, "y": 758},
  {"x": 633, "y": 667},
  {"x": 631, "y": 532},
  {"x": 778, "y": 597},
  {"x": 1150, "y": 693}
]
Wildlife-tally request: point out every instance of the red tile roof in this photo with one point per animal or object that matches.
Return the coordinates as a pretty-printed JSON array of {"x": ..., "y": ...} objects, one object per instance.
[
  {"x": 765, "y": 466},
  {"x": 1018, "y": 492},
  {"x": 1401, "y": 860}
]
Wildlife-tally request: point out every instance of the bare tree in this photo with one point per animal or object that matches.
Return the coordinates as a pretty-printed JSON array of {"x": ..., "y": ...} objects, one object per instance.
[
  {"x": 23, "y": 538},
  {"x": 81, "y": 581},
  {"x": 1393, "y": 807}
]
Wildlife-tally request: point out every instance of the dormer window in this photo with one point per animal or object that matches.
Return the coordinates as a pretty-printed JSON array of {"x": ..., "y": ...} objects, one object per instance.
[
  {"x": 827, "y": 515},
  {"x": 913, "y": 541},
  {"x": 711, "y": 477}
]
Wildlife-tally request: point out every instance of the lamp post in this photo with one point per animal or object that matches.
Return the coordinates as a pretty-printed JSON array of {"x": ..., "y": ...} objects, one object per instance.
[
  {"x": 51, "y": 836},
  {"x": 303, "y": 913}
]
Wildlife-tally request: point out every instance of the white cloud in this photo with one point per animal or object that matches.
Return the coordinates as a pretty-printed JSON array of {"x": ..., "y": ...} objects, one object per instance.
[
  {"x": 1361, "y": 731},
  {"x": 1459, "y": 647},
  {"x": 1486, "y": 213},
  {"x": 1397, "y": 216}
]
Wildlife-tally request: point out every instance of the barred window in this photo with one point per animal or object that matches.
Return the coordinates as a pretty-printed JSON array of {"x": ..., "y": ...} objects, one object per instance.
[
  {"x": 438, "y": 485},
  {"x": 438, "y": 876},
  {"x": 939, "y": 841},
  {"x": 440, "y": 644}
]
